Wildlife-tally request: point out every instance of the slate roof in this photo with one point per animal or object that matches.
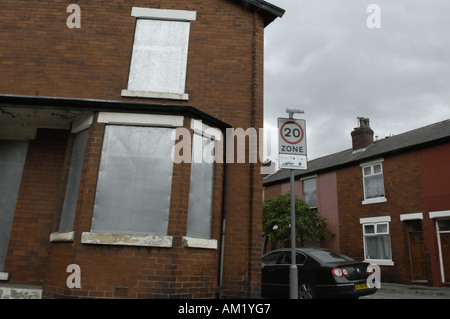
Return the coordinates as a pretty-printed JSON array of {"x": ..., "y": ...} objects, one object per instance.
[{"x": 419, "y": 138}]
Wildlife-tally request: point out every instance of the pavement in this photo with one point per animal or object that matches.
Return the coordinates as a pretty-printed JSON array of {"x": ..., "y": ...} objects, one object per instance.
[{"x": 398, "y": 291}]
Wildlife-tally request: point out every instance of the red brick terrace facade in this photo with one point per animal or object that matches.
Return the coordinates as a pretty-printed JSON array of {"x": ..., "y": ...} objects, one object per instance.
[
  {"x": 388, "y": 201},
  {"x": 73, "y": 99}
]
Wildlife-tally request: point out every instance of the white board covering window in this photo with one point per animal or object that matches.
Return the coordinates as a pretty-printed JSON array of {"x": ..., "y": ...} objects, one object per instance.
[
  {"x": 201, "y": 189},
  {"x": 135, "y": 180},
  {"x": 159, "y": 57}
]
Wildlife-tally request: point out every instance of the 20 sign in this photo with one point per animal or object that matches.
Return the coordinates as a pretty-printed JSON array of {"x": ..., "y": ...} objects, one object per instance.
[
  {"x": 292, "y": 139},
  {"x": 292, "y": 132}
]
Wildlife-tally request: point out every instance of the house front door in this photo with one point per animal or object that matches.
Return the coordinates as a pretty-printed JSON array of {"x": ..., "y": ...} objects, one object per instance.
[
  {"x": 418, "y": 258},
  {"x": 445, "y": 248}
]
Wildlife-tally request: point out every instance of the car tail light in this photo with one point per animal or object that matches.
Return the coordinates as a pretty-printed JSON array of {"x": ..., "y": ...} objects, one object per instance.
[
  {"x": 370, "y": 270},
  {"x": 339, "y": 272}
]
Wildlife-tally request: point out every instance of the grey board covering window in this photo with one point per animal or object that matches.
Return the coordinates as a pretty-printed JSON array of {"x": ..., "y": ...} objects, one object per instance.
[
  {"x": 134, "y": 182},
  {"x": 159, "y": 57},
  {"x": 201, "y": 190},
  {"x": 12, "y": 161},
  {"x": 73, "y": 182}
]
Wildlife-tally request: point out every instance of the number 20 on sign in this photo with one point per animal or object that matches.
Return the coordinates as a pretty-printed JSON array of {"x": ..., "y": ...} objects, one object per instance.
[{"x": 292, "y": 143}]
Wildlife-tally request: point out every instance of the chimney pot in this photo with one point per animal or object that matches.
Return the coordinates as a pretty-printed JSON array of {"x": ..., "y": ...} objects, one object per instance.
[{"x": 362, "y": 136}]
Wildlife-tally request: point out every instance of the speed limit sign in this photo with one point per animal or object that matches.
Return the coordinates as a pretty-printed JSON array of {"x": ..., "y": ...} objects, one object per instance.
[
  {"x": 292, "y": 143},
  {"x": 292, "y": 138}
]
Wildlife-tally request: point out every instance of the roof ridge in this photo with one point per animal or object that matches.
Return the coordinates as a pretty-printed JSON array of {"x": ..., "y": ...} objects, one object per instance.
[
  {"x": 408, "y": 139},
  {"x": 417, "y": 129}
]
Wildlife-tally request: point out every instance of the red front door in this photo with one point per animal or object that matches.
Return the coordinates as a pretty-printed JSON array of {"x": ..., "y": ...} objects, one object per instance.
[{"x": 418, "y": 258}]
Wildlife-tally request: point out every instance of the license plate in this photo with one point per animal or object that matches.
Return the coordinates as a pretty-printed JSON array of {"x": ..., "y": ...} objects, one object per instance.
[{"x": 361, "y": 286}]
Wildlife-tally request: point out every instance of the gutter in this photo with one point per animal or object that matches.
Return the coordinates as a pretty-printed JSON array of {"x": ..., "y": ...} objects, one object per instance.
[
  {"x": 93, "y": 105},
  {"x": 269, "y": 11}
]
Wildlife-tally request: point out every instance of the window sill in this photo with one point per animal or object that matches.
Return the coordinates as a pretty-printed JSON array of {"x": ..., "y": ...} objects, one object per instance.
[
  {"x": 380, "y": 262},
  {"x": 58, "y": 237},
  {"x": 190, "y": 242},
  {"x": 374, "y": 200},
  {"x": 126, "y": 240},
  {"x": 4, "y": 276},
  {"x": 156, "y": 95}
]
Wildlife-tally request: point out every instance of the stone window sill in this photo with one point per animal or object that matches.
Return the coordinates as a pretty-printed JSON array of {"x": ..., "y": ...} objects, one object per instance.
[
  {"x": 156, "y": 95},
  {"x": 374, "y": 200},
  {"x": 190, "y": 242},
  {"x": 380, "y": 262},
  {"x": 126, "y": 240},
  {"x": 67, "y": 237}
]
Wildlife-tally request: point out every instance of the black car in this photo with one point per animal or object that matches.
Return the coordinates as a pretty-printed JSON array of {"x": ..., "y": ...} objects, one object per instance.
[{"x": 322, "y": 273}]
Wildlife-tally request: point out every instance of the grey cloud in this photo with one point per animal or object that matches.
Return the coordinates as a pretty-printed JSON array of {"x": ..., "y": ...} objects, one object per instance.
[{"x": 322, "y": 57}]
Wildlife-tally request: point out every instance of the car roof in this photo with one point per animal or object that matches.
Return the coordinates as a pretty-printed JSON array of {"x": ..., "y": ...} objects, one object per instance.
[
  {"x": 307, "y": 252},
  {"x": 302, "y": 249}
]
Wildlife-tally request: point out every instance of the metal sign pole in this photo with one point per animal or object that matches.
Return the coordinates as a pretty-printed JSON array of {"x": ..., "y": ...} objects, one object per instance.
[
  {"x": 292, "y": 152},
  {"x": 293, "y": 271}
]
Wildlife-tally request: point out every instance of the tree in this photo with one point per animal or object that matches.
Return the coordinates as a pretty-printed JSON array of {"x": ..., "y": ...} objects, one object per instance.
[{"x": 277, "y": 219}]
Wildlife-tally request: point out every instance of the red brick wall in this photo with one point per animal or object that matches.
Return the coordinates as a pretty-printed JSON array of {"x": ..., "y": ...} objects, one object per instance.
[
  {"x": 436, "y": 177},
  {"x": 272, "y": 191},
  {"x": 436, "y": 192},
  {"x": 404, "y": 193},
  {"x": 41, "y": 56},
  {"x": 38, "y": 203},
  {"x": 136, "y": 272}
]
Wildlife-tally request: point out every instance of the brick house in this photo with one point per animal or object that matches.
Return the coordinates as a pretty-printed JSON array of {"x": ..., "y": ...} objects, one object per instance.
[
  {"x": 387, "y": 201},
  {"x": 92, "y": 97}
]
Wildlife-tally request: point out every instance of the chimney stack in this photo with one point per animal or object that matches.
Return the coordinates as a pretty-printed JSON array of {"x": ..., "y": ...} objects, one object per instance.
[{"x": 362, "y": 136}]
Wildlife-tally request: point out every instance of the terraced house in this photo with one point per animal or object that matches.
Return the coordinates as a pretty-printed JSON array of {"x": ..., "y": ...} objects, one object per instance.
[
  {"x": 94, "y": 203},
  {"x": 387, "y": 201}
]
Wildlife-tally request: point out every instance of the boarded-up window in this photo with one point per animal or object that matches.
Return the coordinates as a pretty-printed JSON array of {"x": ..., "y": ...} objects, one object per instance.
[
  {"x": 201, "y": 189},
  {"x": 73, "y": 182},
  {"x": 12, "y": 160},
  {"x": 159, "y": 57},
  {"x": 134, "y": 183}
]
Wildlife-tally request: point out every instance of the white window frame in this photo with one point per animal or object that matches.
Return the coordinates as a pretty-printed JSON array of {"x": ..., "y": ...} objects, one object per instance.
[
  {"x": 445, "y": 214},
  {"x": 372, "y": 164},
  {"x": 377, "y": 221},
  {"x": 165, "y": 15}
]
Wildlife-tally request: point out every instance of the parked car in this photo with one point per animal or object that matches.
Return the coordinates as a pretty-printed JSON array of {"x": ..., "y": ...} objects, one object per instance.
[{"x": 322, "y": 273}]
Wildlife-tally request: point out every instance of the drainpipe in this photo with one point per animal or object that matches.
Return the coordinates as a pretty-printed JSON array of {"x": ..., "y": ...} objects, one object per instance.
[{"x": 223, "y": 226}]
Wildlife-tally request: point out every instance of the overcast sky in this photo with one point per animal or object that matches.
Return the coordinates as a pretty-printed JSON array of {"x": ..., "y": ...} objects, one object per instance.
[{"x": 322, "y": 57}]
